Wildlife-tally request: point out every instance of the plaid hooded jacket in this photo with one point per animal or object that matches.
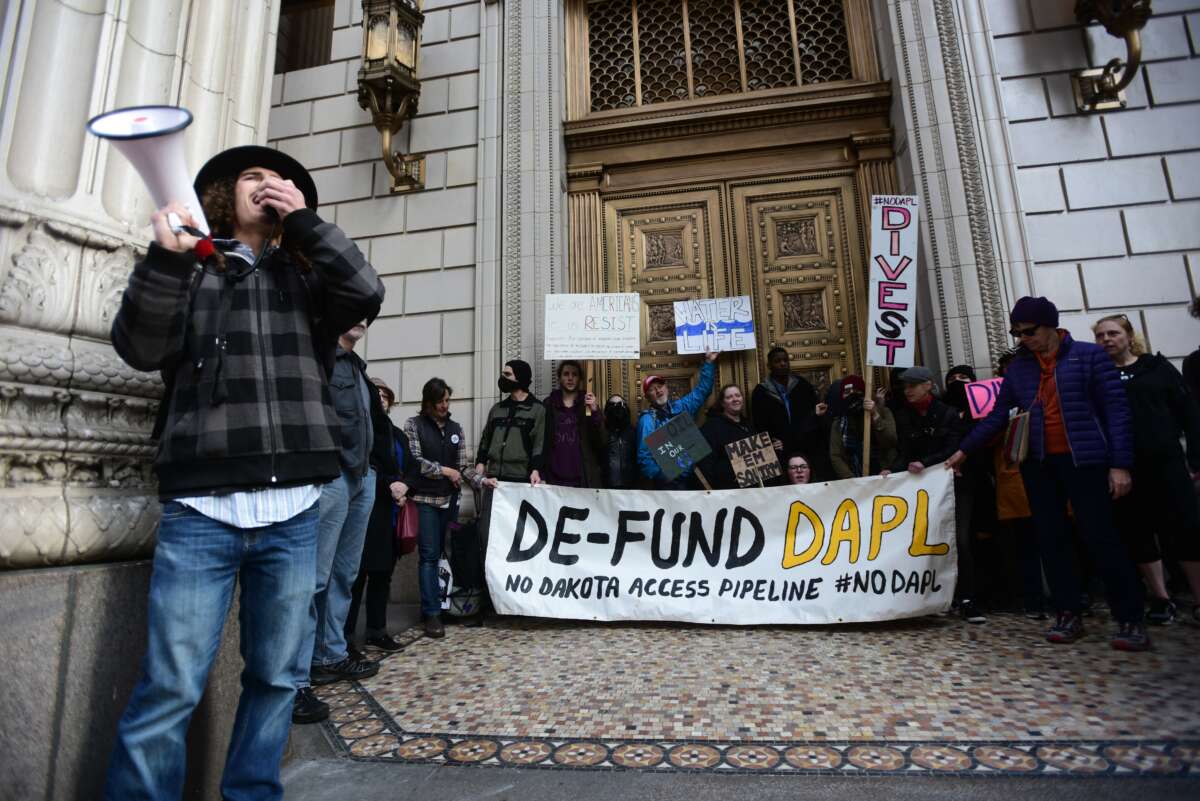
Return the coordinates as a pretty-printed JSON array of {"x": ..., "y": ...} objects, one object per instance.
[{"x": 246, "y": 356}]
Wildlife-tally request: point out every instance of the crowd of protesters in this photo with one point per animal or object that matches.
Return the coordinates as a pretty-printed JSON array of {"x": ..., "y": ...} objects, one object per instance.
[
  {"x": 1033, "y": 534},
  {"x": 322, "y": 475}
]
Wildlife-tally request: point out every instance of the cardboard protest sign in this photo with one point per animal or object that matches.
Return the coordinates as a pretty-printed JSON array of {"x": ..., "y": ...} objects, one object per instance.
[
  {"x": 981, "y": 396},
  {"x": 847, "y": 551},
  {"x": 754, "y": 460},
  {"x": 677, "y": 446},
  {"x": 716, "y": 324},
  {"x": 892, "y": 299},
  {"x": 593, "y": 326}
]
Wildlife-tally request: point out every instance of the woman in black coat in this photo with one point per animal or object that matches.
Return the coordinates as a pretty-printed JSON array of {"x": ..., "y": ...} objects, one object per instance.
[
  {"x": 1160, "y": 511},
  {"x": 726, "y": 423},
  {"x": 379, "y": 547}
]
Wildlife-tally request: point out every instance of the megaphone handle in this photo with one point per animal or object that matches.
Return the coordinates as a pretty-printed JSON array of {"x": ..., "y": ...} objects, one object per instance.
[{"x": 177, "y": 226}]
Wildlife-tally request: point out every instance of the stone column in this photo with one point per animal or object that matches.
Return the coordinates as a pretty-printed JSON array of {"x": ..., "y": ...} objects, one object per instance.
[
  {"x": 952, "y": 151},
  {"x": 75, "y": 479},
  {"x": 533, "y": 177},
  {"x": 75, "y": 483}
]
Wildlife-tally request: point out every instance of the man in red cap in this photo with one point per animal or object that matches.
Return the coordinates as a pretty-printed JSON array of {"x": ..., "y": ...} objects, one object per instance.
[
  {"x": 243, "y": 329},
  {"x": 662, "y": 409}
]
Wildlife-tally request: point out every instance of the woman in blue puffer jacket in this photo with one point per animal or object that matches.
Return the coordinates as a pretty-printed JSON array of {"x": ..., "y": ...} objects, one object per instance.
[{"x": 1080, "y": 451}]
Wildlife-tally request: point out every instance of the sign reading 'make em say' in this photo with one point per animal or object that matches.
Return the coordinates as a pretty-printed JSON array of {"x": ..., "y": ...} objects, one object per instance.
[
  {"x": 892, "y": 300},
  {"x": 753, "y": 460}
]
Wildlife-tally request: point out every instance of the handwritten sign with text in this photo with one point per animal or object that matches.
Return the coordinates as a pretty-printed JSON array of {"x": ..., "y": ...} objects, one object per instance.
[
  {"x": 677, "y": 446},
  {"x": 981, "y": 396},
  {"x": 754, "y": 460},
  {"x": 593, "y": 326},
  {"x": 714, "y": 324},
  {"x": 892, "y": 300}
]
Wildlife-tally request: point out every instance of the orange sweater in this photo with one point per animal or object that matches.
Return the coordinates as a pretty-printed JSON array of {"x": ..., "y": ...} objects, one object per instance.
[{"x": 1052, "y": 423}]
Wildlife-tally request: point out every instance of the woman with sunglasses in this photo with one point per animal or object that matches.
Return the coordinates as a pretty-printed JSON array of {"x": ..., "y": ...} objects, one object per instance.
[
  {"x": 1080, "y": 451},
  {"x": 1161, "y": 509}
]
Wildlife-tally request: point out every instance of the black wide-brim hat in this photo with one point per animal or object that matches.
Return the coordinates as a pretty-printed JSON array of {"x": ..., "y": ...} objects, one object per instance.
[{"x": 231, "y": 162}]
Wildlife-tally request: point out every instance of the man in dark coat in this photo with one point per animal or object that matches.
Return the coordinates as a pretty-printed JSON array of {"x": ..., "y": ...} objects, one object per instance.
[{"x": 784, "y": 405}]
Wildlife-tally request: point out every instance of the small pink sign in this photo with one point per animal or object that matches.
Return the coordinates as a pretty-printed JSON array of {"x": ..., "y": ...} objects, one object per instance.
[{"x": 981, "y": 396}]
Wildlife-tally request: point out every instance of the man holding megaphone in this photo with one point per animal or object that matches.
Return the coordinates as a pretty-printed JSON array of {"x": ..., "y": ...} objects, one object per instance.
[{"x": 243, "y": 327}]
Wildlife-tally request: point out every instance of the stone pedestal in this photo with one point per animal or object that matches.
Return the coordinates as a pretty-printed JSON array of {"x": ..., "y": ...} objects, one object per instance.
[{"x": 72, "y": 641}]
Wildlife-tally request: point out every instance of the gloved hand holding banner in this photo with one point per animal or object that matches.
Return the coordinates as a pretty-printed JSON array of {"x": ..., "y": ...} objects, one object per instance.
[{"x": 848, "y": 551}]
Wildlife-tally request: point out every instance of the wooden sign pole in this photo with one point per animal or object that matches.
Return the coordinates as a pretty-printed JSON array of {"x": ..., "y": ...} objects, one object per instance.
[
  {"x": 703, "y": 480},
  {"x": 588, "y": 386},
  {"x": 868, "y": 380}
]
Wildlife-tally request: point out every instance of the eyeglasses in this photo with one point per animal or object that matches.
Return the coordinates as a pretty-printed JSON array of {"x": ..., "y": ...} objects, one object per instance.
[{"x": 1017, "y": 333}]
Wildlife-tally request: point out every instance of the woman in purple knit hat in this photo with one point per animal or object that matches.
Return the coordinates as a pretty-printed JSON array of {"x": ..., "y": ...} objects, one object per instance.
[{"x": 1080, "y": 451}]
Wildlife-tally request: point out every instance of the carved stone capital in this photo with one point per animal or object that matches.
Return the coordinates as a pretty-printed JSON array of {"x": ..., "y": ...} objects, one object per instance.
[{"x": 75, "y": 452}]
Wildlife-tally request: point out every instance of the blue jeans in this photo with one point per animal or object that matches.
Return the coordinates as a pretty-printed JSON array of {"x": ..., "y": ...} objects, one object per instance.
[
  {"x": 431, "y": 538},
  {"x": 1049, "y": 485},
  {"x": 197, "y": 563},
  {"x": 345, "y": 508}
]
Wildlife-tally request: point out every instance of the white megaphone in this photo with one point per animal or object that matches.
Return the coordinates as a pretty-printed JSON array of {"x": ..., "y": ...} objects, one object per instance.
[{"x": 151, "y": 137}]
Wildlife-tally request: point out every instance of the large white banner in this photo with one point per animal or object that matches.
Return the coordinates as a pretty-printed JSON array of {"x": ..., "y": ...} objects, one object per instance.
[
  {"x": 892, "y": 300},
  {"x": 847, "y": 551},
  {"x": 593, "y": 326}
]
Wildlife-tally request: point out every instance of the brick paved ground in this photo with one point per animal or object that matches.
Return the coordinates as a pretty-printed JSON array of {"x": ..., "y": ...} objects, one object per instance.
[{"x": 927, "y": 696}]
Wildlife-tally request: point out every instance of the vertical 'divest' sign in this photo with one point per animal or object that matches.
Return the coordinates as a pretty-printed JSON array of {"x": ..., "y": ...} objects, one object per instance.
[{"x": 892, "y": 316}]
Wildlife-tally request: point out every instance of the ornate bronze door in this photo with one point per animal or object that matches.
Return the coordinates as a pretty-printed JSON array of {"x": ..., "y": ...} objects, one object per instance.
[
  {"x": 798, "y": 253},
  {"x": 667, "y": 245},
  {"x": 791, "y": 243}
]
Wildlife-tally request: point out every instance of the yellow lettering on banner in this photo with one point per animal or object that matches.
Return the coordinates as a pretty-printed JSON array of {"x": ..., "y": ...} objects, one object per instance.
[
  {"x": 921, "y": 530},
  {"x": 879, "y": 526},
  {"x": 790, "y": 557},
  {"x": 845, "y": 529}
]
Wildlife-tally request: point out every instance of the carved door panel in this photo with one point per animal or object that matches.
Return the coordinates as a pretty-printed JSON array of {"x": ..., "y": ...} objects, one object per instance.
[
  {"x": 797, "y": 247},
  {"x": 666, "y": 245}
]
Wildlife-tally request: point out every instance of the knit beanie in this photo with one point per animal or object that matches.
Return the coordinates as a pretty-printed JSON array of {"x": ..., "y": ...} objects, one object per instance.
[
  {"x": 962, "y": 369},
  {"x": 522, "y": 373},
  {"x": 1034, "y": 310}
]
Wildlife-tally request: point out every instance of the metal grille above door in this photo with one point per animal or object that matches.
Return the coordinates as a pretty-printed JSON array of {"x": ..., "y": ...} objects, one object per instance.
[{"x": 645, "y": 52}]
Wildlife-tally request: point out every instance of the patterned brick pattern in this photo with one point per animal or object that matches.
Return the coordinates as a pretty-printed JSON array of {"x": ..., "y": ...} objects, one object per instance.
[{"x": 929, "y": 696}]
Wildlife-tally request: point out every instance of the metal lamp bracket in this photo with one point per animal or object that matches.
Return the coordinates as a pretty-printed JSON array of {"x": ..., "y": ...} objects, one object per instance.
[{"x": 1103, "y": 89}]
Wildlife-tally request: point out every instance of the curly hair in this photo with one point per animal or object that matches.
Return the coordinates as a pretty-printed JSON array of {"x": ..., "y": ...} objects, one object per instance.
[{"x": 220, "y": 207}]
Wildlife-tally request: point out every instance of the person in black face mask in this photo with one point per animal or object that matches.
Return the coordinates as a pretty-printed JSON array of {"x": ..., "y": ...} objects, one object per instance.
[
  {"x": 620, "y": 463},
  {"x": 513, "y": 444},
  {"x": 957, "y": 379}
]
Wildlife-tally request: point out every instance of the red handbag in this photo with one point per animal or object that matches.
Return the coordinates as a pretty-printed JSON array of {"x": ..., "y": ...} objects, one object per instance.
[{"x": 406, "y": 528}]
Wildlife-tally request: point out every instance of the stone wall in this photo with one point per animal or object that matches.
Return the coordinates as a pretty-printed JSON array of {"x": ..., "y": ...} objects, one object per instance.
[
  {"x": 1111, "y": 201},
  {"x": 422, "y": 243}
]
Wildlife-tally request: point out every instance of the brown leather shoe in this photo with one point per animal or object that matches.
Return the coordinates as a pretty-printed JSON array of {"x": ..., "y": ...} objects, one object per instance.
[{"x": 434, "y": 627}]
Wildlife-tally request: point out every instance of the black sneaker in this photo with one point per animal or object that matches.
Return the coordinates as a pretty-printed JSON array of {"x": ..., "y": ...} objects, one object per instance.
[
  {"x": 348, "y": 668},
  {"x": 434, "y": 627},
  {"x": 307, "y": 708},
  {"x": 971, "y": 612},
  {"x": 1131, "y": 637},
  {"x": 384, "y": 642},
  {"x": 1066, "y": 629},
  {"x": 354, "y": 653},
  {"x": 1162, "y": 612}
]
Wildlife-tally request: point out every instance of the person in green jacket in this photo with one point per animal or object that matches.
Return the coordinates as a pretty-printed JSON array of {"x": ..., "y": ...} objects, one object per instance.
[{"x": 513, "y": 444}]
